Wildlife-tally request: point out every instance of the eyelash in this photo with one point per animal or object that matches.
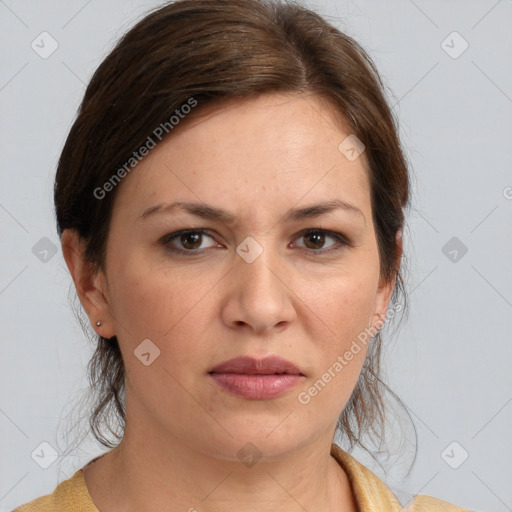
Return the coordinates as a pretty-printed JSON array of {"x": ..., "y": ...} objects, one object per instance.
[{"x": 343, "y": 241}]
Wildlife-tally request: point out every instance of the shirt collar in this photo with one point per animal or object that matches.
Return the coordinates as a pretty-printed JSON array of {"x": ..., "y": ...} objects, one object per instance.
[{"x": 371, "y": 494}]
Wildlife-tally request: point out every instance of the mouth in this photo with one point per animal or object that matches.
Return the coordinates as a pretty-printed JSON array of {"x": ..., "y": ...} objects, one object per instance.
[
  {"x": 271, "y": 365},
  {"x": 256, "y": 379}
]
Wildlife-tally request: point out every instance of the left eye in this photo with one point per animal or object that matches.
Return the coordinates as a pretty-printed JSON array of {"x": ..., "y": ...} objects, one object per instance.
[{"x": 317, "y": 238}]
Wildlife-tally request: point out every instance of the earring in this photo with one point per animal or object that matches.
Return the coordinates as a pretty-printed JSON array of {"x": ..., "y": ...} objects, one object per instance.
[{"x": 98, "y": 323}]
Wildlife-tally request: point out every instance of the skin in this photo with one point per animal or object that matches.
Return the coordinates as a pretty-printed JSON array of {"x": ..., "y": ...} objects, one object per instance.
[{"x": 256, "y": 158}]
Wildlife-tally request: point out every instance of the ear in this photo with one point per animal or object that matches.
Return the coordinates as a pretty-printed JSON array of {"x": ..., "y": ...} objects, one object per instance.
[
  {"x": 386, "y": 287},
  {"x": 90, "y": 284}
]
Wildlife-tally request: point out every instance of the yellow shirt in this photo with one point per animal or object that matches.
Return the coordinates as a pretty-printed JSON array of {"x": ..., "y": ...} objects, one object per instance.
[{"x": 371, "y": 494}]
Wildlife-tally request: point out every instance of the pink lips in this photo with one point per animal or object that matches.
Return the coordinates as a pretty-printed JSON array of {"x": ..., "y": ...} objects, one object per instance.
[{"x": 257, "y": 379}]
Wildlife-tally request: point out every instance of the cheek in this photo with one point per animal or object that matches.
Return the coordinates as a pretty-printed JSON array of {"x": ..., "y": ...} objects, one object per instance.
[
  {"x": 172, "y": 309},
  {"x": 341, "y": 309},
  {"x": 341, "y": 305},
  {"x": 155, "y": 301}
]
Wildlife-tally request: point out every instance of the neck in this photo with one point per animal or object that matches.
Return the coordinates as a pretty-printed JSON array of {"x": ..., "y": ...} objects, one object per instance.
[{"x": 147, "y": 473}]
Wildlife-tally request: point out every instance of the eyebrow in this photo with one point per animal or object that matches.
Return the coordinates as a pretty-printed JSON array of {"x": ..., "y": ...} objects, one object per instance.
[{"x": 212, "y": 213}]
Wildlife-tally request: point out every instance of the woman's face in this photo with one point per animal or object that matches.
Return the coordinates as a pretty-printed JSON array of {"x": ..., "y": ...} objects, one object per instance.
[{"x": 257, "y": 285}]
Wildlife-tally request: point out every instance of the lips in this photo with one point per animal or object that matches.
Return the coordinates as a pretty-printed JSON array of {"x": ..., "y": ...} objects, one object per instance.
[
  {"x": 256, "y": 379},
  {"x": 270, "y": 365}
]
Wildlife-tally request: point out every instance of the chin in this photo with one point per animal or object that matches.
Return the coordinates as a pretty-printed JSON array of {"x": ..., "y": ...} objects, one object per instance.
[{"x": 253, "y": 439}]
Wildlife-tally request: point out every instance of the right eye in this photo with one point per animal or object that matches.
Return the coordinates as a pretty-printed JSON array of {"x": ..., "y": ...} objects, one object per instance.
[{"x": 189, "y": 239}]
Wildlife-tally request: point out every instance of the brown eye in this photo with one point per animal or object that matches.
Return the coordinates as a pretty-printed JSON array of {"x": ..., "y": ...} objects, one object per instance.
[
  {"x": 316, "y": 238},
  {"x": 190, "y": 240}
]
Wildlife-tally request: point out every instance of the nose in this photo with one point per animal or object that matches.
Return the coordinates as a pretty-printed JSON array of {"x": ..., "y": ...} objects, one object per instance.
[{"x": 259, "y": 298}]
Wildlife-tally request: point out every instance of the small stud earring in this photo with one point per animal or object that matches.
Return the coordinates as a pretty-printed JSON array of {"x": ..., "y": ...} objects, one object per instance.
[{"x": 98, "y": 323}]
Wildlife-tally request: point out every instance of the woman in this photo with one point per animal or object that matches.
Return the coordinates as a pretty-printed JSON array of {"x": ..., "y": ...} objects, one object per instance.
[{"x": 230, "y": 202}]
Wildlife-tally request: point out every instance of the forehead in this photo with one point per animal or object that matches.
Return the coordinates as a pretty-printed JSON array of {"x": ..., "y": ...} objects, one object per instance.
[{"x": 272, "y": 149}]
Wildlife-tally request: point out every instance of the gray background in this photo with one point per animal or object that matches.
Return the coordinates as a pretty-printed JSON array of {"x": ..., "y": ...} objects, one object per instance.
[{"x": 450, "y": 362}]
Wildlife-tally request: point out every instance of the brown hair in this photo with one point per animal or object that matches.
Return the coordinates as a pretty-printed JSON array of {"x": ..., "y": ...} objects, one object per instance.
[{"x": 214, "y": 50}]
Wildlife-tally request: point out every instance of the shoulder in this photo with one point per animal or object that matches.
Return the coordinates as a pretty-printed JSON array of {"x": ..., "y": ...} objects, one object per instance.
[
  {"x": 69, "y": 496},
  {"x": 42, "y": 504},
  {"x": 372, "y": 494},
  {"x": 429, "y": 504}
]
